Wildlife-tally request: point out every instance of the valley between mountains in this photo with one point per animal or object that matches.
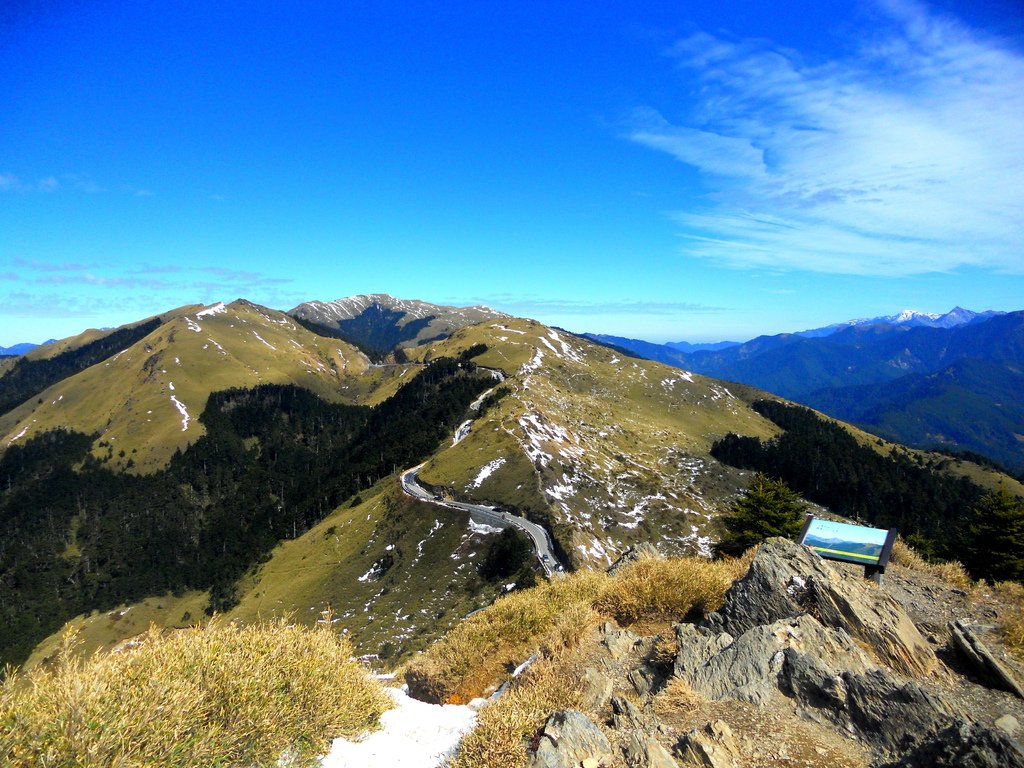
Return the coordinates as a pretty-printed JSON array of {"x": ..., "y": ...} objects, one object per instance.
[{"x": 244, "y": 460}]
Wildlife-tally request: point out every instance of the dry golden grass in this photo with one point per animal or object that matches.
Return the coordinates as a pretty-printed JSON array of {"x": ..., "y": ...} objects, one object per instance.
[
  {"x": 677, "y": 699},
  {"x": 223, "y": 695},
  {"x": 952, "y": 573},
  {"x": 671, "y": 588},
  {"x": 1012, "y": 615},
  {"x": 479, "y": 650},
  {"x": 552, "y": 617},
  {"x": 503, "y": 731}
]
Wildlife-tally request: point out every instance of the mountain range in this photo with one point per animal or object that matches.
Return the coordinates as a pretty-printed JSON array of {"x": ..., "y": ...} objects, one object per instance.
[
  {"x": 952, "y": 382},
  {"x": 235, "y": 458}
]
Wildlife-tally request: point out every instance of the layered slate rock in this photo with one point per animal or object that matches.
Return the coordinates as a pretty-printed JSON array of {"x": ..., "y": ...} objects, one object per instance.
[
  {"x": 841, "y": 652},
  {"x": 787, "y": 579},
  {"x": 569, "y": 739}
]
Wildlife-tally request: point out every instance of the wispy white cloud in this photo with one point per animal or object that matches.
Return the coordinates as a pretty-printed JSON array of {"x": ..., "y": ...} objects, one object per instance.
[
  {"x": 905, "y": 157},
  {"x": 105, "y": 282},
  {"x": 527, "y": 305},
  {"x": 10, "y": 182},
  {"x": 49, "y": 266}
]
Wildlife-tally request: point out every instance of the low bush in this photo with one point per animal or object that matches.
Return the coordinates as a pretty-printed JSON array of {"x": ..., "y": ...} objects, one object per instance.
[
  {"x": 674, "y": 588},
  {"x": 480, "y": 649},
  {"x": 214, "y": 696},
  {"x": 952, "y": 573},
  {"x": 504, "y": 728},
  {"x": 555, "y": 615}
]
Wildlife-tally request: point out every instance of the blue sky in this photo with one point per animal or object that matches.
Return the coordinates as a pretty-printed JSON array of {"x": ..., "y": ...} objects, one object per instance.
[{"x": 662, "y": 170}]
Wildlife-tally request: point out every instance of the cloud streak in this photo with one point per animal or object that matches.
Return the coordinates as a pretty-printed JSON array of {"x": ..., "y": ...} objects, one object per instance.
[
  {"x": 903, "y": 158},
  {"x": 524, "y": 305}
]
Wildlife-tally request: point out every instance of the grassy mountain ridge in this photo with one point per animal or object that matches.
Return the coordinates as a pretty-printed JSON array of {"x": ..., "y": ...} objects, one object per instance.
[
  {"x": 382, "y": 322},
  {"x": 606, "y": 450},
  {"x": 145, "y": 401},
  {"x": 603, "y": 449}
]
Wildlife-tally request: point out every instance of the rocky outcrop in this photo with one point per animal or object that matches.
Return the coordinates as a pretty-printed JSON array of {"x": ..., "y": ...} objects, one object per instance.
[
  {"x": 787, "y": 579},
  {"x": 569, "y": 739},
  {"x": 963, "y": 745},
  {"x": 833, "y": 645},
  {"x": 982, "y": 659},
  {"x": 712, "y": 746},
  {"x": 817, "y": 651}
]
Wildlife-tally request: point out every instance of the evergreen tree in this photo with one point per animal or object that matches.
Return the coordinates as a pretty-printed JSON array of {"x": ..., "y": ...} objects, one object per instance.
[
  {"x": 767, "y": 508},
  {"x": 994, "y": 536}
]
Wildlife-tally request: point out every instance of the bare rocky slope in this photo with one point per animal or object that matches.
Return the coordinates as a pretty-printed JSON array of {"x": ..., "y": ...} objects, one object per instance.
[{"x": 806, "y": 664}]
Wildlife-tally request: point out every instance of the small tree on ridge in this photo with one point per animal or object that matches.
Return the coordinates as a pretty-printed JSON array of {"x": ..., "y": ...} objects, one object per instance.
[{"x": 767, "y": 508}]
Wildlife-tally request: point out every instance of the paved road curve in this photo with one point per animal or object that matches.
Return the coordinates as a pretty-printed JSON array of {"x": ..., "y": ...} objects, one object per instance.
[{"x": 481, "y": 513}]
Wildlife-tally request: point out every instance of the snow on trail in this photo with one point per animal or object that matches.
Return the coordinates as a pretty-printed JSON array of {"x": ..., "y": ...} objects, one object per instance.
[
  {"x": 19, "y": 435},
  {"x": 412, "y": 735}
]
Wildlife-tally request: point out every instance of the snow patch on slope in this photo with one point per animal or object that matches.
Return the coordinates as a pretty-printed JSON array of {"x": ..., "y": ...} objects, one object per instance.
[
  {"x": 486, "y": 471},
  {"x": 412, "y": 735}
]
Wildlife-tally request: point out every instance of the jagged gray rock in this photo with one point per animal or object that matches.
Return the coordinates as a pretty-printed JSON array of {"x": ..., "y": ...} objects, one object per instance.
[
  {"x": 597, "y": 689},
  {"x": 640, "y": 750},
  {"x": 569, "y": 737},
  {"x": 638, "y": 551},
  {"x": 787, "y": 579},
  {"x": 619, "y": 642},
  {"x": 977, "y": 653},
  {"x": 640, "y": 746},
  {"x": 712, "y": 746},
  {"x": 964, "y": 745},
  {"x": 749, "y": 668}
]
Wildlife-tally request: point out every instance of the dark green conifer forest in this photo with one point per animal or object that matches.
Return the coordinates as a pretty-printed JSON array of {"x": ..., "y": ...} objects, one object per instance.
[
  {"x": 76, "y": 536},
  {"x": 943, "y": 516}
]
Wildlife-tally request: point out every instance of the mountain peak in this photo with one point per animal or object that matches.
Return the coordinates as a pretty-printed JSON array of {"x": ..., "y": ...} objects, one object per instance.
[{"x": 383, "y": 322}]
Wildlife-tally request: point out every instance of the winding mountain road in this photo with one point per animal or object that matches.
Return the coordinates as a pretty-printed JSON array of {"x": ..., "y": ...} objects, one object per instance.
[{"x": 480, "y": 513}]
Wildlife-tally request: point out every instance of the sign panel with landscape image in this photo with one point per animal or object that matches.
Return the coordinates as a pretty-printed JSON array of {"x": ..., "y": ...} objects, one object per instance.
[{"x": 849, "y": 543}]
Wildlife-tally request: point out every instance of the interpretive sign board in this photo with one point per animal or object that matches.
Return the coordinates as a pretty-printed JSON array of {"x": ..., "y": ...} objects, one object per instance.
[{"x": 870, "y": 547}]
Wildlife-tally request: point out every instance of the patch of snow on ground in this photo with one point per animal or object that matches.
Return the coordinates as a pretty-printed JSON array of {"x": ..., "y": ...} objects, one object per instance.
[
  {"x": 419, "y": 546},
  {"x": 534, "y": 364},
  {"x": 570, "y": 352},
  {"x": 486, "y": 471},
  {"x": 482, "y": 528},
  {"x": 171, "y": 385},
  {"x": 218, "y": 346},
  {"x": 19, "y": 435},
  {"x": 372, "y": 574},
  {"x": 182, "y": 410},
  {"x": 510, "y": 330},
  {"x": 462, "y": 431},
  {"x": 193, "y": 325},
  {"x": 264, "y": 341},
  {"x": 562, "y": 490},
  {"x": 216, "y": 309}
]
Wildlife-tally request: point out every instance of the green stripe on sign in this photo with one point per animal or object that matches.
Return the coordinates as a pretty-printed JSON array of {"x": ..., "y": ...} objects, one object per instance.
[{"x": 872, "y": 558}]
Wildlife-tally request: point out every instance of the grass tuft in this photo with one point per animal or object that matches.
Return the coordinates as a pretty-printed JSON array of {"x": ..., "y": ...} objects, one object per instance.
[
  {"x": 1012, "y": 618},
  {"x": 214, "y": 696},
  {"x": 478, "y": 651},
  {"x": 952, "y": 573},
  {"x": 503, "y": 731},
  {"x": 555, "y": 616},
  {"x": 674, "y": 588}
]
